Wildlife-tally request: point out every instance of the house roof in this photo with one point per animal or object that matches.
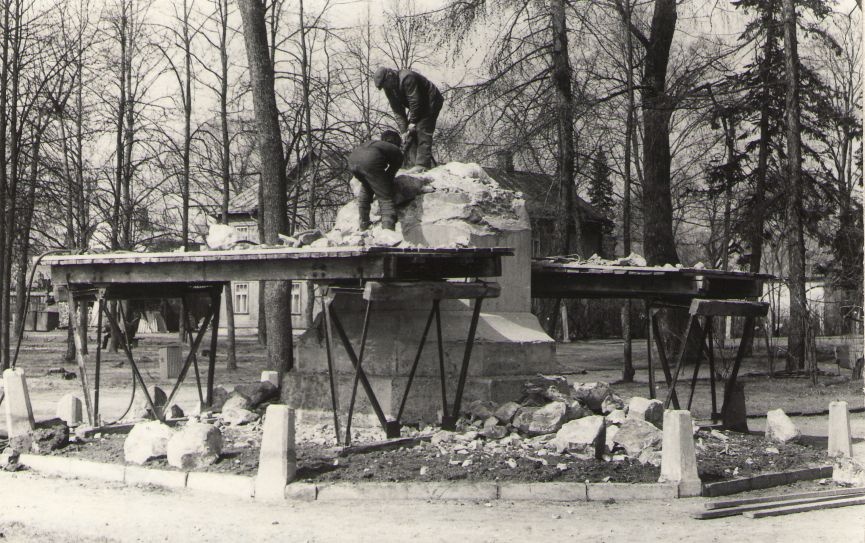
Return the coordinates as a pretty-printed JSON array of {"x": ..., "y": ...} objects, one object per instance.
[{"x": 541, "y": 194}]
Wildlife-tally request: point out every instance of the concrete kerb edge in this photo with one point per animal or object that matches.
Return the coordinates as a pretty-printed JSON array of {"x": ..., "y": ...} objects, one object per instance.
[
  {"x": 765, "y": 480},
  {"x": 243, "y": 486}
]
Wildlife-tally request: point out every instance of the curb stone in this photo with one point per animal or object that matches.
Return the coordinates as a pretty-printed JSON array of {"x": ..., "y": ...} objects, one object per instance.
[
  {"x": 137, "y": 475},
  {"x": 243, "y": 486},
  {"x": 557, "y": 492},
  {"x": 596, "y": 492},
  {"x": 766, "y": 480},
  {"x": 227, "y": 484}
]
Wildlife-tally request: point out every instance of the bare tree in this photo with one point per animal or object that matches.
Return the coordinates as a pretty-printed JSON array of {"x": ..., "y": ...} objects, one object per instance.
[{"x": 272, "y": 204}]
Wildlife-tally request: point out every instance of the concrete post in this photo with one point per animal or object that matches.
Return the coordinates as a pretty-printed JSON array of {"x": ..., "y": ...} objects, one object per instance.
[
  {"x": 840, "y": 443},
  {"x": 272, "y": 376},
  {"x": 678, "y": 456},
  {"x": 19, "y": 413},
  {"x": 277, "y": 462},
  {"x": 69, "y": 409}
]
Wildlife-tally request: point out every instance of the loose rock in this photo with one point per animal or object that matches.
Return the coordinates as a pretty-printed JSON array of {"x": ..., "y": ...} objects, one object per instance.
[
  {"x": 636, "y": 435},
  {"x": 779, "y": 427},
  {"x": 543, "y": 389},
  {"x": 256, "y": 393},
  {"x": 585, "y": 435},
  {"x": 481, "y": 409},
  {"x": 236, "y": 401},
  {"x": 238, "y": 416},
  {"x": 592, "y": 394},
  {"x": 523, "y": 418},
  {"x": 220, "y": 395},
  {"x": 548, "y": 419},
  {"x": 9, "y": 459},
  {"x": 505, "y": 413},
  {"x": 849, "y": 471},
  {"x": 613, "y": 402},
  {"x": 615, "y": 417},
  {"x": 146, "y": 440},
  {"x": 196, "y": 445},
  {"x": 647, "y": 410}
]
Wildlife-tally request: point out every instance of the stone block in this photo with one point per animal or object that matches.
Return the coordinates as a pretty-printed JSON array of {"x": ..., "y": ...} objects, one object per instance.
[
  {"x": 194, "y": 446},
  {"x": 277, "y": 462},
  {"x": 69, "y": 409},
  {"x": 840, "y": 442},
  {"x": 678, "y": 456},
  {"x": 648, "y": 410},
  {"x": 146, "y": 440},
  {"x": 19, "y": 412},
  {"x": 735, "y": 415}
]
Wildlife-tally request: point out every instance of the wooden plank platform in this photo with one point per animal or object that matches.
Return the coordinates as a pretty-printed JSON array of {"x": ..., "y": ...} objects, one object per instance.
[
  {"x": 317, "y": 264},
  {"x": 559, "y": 278}
]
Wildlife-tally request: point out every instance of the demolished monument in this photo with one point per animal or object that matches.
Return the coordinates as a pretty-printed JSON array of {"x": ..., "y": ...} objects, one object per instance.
[{"x": 453, "y": 205}]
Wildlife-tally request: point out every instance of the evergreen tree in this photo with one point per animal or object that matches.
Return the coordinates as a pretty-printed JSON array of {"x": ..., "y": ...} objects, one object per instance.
[{"x": 601, "y": 188}]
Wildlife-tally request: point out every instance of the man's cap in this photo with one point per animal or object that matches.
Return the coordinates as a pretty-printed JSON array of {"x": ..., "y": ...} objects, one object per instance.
[
  {"x": 391, "y": 136},
  {"x": 380, "y": 75}
]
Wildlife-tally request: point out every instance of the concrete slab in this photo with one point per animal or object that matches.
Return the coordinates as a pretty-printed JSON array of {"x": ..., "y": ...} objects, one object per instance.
[{"x": 840, "y": 442}]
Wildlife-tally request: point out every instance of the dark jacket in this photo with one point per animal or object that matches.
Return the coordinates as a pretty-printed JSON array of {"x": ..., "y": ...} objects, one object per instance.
[
  {"x": 376, "y": 156},
  {"x": 415, "y": 98}
]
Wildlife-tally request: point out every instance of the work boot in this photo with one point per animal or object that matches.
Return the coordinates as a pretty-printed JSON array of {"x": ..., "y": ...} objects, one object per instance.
[
  {"x": 363, "y": 215},
  {"x": 388, "y": 214}
]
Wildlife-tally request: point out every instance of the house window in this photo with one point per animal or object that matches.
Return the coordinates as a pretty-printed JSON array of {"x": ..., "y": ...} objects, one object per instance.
[
  {"x": 241, "y": 298},
  {"x": 295, "y": 297},
  {"x": 243, "y": 232}
]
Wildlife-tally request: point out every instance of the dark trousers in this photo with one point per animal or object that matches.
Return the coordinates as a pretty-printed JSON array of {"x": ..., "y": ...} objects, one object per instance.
[
  {"x": 376, "y": 183},
  {"x": 419, "y": 149}
]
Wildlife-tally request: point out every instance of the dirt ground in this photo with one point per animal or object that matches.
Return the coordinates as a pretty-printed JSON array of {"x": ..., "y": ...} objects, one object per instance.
[{"x": 49, "y": 509}]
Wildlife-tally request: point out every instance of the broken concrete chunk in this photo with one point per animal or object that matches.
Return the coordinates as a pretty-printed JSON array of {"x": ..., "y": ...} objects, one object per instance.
[
  {"x": 548, "y": 419},
  {"x": 146, "y": 440},
  {"x": 257, "y": 393},
  {"x": 581, "y": 436},
  {"x": 238, "y": 416},
  {"x": 615, "y": 417},
  {"x": 196, "y": 445},
  {"x": 543, "y": 389},
  {"x": 9, "y": 459},
  {"x": 505, "y": 413},
  {"x": 222, "y": 236},
  {"x": 779, "y": 427},
  {"x": 523, "y": 418},
  {"x": 849, "y": 471},
  {"x": 592, "y": 394},
  {"x": 576, "y": 410},
  {"x": 494, "y": 432},
  {"x": 481, "y": 409},
  {"x": 610, "y": 438},
  {"x": 220, "y": 395},
  {"x": 236, "y": 400},
  {"x": 647, "y": 410},
  {"x": 613, "y": 402},
  {"x": 635, "y": 435},
  {"x": 308, "y": 236}
]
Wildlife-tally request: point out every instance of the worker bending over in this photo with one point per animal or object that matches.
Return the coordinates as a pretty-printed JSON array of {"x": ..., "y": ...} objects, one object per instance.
[
  {"x": 416, "y": 104},
  {"x": 374, "y": 164}
]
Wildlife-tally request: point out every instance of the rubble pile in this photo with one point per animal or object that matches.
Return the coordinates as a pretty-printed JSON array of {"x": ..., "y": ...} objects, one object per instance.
[{"x": 583, "y": 420}]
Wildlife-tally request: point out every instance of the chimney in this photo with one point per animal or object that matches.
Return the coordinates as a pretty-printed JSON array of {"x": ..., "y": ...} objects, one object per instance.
[{"x": 505, "y": 160}]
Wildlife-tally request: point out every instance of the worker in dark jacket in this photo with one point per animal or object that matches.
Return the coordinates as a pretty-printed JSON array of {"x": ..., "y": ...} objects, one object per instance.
[
  {"x": 416, "y": 103},
  {"x": 374, "y": 164}
]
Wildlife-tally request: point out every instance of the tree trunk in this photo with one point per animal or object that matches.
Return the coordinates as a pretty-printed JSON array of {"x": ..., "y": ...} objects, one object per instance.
[
  {"x": 659, "y": 246},
  {"x": 225, "y": 167},
  {"x": 277, "y": 294},
  {"x": 627, "y": 336},
  {"x": 565, "y": 115},
  {"x": 796, "y": 339}
]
